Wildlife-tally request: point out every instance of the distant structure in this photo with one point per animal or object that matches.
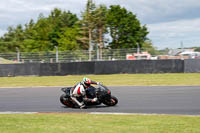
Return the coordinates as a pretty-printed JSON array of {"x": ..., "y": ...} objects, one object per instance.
[
  {"x": 172, "y": 54},
  {"x": 175, "y": 52},
  {"x": 138, "y": 56},
  {"x": 181, "y": 54},
  {"x": 191, "y": 55}
]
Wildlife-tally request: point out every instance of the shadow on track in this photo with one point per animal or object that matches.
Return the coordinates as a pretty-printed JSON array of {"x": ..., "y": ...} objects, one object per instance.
[{"x": 89, "y": 107}]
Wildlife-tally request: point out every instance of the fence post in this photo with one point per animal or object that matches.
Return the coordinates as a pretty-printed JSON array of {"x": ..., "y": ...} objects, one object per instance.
[
  {"x": 97, "y": 52},
  {"x": 18, "y": 54},
  {"x": 138, "y": 50},
  {"x": 56, "y": 54},
  {"x": 90, "y": 55}
]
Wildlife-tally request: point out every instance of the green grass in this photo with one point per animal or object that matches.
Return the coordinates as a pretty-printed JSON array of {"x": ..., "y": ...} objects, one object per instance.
[
  {"x": 89, "y": 123},
  {"x": 5, "y": 61},
  {"x": 109, "y": 80}
]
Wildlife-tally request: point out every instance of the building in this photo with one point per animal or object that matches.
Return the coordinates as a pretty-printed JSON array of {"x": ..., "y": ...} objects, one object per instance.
[{"x": 138, "y": 56}]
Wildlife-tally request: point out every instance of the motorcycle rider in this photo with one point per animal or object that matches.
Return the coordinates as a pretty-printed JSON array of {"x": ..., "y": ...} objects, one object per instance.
[{"x": 78, "y": 92}]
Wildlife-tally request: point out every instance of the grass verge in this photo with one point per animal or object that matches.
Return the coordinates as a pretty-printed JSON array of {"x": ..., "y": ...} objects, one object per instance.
[
  {"x": 109, "y": 80},
  {"x": 89, "y": 123}
]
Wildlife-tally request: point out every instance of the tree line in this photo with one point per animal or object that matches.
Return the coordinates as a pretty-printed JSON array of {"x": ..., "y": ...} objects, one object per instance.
[{"x": 98, "y": 27}]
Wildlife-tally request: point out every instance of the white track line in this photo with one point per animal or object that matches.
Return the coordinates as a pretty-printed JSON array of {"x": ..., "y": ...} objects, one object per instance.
[
  {"x": 96, "y": 113},
  {"x": 115, "y": 113},
  {"x": 110, "y": 113},
  {"x": 11, "y": 112}
]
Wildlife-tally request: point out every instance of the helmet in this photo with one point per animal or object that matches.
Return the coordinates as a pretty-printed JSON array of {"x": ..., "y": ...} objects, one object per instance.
[{"x": 86, "y": 81}]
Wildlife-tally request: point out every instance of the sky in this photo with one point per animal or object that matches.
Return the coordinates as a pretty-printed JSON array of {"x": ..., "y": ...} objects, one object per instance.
[{"x": 170, "y": 23}]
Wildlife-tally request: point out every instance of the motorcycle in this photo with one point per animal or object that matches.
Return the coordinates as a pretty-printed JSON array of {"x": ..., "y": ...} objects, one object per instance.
[{"x": 101, "y": 92}]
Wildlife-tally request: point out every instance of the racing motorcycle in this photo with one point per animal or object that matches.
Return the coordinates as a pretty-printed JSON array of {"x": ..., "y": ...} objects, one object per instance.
[{"x": 101, "y": 92}]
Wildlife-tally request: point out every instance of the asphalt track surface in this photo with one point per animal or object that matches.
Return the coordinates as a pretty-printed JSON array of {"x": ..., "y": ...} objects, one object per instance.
[{"x": 184, "y": 100}]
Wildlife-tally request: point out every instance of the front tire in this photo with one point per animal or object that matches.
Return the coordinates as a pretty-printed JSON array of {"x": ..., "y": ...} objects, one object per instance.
[{"x": 112, "y": 102}]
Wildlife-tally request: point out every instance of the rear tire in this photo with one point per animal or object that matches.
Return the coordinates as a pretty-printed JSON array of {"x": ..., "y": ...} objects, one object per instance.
[
  {"x": 112, "y": 102},
  {"x": 66, "y": 101}
]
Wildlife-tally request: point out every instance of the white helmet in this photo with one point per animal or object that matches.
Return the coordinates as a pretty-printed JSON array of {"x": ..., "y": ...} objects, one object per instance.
[{"x": 86, "y": 81}]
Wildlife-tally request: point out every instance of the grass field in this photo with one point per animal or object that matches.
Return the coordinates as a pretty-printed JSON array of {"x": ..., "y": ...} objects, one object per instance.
[
  {"x": 109, "y": 80},
  {"x": 90, "y": 123}
]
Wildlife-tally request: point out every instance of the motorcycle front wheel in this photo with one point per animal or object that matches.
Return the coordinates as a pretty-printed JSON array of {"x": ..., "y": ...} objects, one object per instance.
[{"x": 111, "y": 102}]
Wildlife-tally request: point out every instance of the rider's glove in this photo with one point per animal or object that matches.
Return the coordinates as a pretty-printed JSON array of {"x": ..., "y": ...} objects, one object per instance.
[{"x": 94, "y": 99}]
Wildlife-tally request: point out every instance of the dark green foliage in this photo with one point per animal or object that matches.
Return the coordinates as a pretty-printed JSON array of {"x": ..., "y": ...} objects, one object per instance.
[
  {"x": 68, "y": 39},
  {"x": 87, "y": 25},
  {"x": 43, "y": 35},
  {"x": 197, "y": 49},
  {"x": 100, "y": 25},
  {"x": 13, "y": 39},
  {"x": 125, "y": 29},
  {"x": 64, "y": 30},
  {"x": 148, "y": 46}
]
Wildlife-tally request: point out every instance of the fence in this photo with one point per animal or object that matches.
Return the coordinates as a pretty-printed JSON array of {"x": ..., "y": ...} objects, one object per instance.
[
  {"x": 100, "y": 67},
  {"x": 67, "y": 56},
  {"x": 82, "y": 55}
]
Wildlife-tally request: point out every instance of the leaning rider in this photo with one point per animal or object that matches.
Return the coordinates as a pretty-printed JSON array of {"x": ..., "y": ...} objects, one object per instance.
[{"x": 78, "y": 92}]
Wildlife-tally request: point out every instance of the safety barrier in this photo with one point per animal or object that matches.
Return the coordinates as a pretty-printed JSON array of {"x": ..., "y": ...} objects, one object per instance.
[{"x": 100, "y": 67}]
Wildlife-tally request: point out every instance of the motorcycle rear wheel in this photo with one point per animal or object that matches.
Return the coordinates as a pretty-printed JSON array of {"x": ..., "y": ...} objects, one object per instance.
[
  {"x": 66, "y": 101},
  {"x": 112, "y": 102}
]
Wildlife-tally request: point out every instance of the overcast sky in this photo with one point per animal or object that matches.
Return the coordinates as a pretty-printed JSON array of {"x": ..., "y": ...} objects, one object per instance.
[{"x": 169, "y": 22}]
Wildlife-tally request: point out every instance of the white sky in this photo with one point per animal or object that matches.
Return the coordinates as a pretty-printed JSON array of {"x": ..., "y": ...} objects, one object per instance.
[{"x": 169, "y": 22}]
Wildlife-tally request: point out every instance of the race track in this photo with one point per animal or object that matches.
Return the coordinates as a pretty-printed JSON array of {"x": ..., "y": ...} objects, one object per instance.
[{"x": 138, "y": 99}]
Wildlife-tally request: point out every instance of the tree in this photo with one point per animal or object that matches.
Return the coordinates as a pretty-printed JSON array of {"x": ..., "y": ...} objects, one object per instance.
[
  {"x": 43, "y": 35},
  {"x": 29, "y": 35},
  {"x": 87, "y": 25},
  {"x": 148, "y": 46},
  {"x": 58, "y": 22},
  {"x": 100, "y": 26},
  {"x": 7, "y": 40},
  {"x": 13, "y": 39},
  {"x": 164, "y": 51},
  {"x": 46, "y": 32},
  {"x": 43, "y": 29},
  {"x": 125, "y": 29},
  {"x": 61, "y": 27},
  {"x": 68, "y": 40},
  {"x": 197, "y": 49}
]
